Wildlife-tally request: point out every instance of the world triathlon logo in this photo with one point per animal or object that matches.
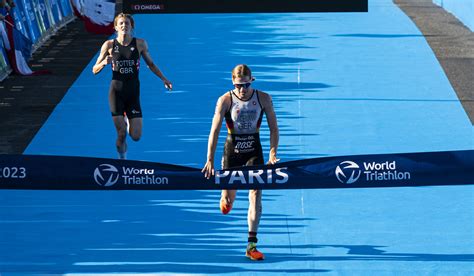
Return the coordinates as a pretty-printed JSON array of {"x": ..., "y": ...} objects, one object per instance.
[
  {"x": 348, "y": 172},
  {"x": 106, "y": 175}
]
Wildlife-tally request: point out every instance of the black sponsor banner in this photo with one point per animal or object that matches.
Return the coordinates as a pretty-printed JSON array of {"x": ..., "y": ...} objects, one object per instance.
[
  {"x": 242, "y": 6},
  {"x": 358, "y": 171}
]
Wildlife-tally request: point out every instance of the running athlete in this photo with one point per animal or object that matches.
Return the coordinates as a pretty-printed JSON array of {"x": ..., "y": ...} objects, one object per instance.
[
  {"x": 243, "y": 108},
  {"x": 124, "y": 54}
]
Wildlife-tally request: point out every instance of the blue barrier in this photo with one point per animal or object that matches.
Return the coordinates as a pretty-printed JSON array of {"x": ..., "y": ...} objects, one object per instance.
[
  {"x": 37, "y": 20},
  {"x": 4, "y": 66},
  {"x": 462, "y": 9},
  {"x": 21, "y": 19},
  {"x": 358, "y": 171},
  {"x": 55, "y": 12},
  {"x": 65, "y": 7},
  {"x": 40, "y": 9},
  {"x": 33, "y": 27}
]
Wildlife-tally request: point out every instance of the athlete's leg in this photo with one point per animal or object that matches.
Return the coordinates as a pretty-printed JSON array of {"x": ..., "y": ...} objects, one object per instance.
[
  {"x": 117, "y": 109},
  {"x": 253, "y": 216},
  {"x": 227, "y": 196},
  {"x": 121, "y": 142},
  {"x": 134, "y": 110},
  {"x": 254, "y": 212},
  {"x": 253, "y": 219},
  {"x": 255, "y": 202},
  {"x": 136, "y": 125},
  {"x": 227, "y": 200}
]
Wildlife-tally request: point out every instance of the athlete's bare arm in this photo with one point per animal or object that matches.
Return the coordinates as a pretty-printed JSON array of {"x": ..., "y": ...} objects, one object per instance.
[
  {"x": 223, "y": 104},
  {"x": 104, "y": 58},
  {"x": 267, "y": 104},
  {"x": 143, "y": 48}
]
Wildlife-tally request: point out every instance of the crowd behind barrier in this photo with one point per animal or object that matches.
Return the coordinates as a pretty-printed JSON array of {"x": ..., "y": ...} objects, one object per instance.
[
  {"x": 461, "y": 9},
  {"x": 36, "y": 20}
]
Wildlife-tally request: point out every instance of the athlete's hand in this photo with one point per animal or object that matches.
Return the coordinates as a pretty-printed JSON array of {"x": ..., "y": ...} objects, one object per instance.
[
  {"x": 108, "y": 60},
  {"x": 168, "y": 84},
  {"x": 208, "y": 169},
  {"x": 272, "y": 159}
]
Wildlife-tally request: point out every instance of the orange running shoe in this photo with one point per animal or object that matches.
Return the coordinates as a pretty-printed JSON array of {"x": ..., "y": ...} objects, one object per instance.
[
  {"x": 252, "y": 253},
  {"x": 225, "y": 207}
]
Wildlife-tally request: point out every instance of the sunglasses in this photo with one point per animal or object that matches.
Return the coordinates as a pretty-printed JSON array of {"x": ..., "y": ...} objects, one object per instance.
[{"x": 244, "y": 85}]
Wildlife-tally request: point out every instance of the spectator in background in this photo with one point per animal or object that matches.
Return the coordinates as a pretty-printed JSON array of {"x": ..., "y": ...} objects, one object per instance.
[{"x": 4, "y": 9}]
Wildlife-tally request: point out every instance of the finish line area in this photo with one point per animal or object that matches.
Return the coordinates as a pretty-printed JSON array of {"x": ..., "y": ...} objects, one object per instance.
[
  {"x": 343, "y": 85},
  {"x": 380, "y": 170}
]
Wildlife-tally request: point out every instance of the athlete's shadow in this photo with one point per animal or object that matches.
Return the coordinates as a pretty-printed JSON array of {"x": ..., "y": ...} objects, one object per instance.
[
  {"x": 134, "y": 231},
  {"x": 163, "y": 231},
  {"x": 367, "y": 253},
  {"x": 179, "y": 122}
]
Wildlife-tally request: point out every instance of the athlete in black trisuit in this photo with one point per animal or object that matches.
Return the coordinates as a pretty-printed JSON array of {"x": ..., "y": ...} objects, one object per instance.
[
  {"x": 243, "y": 109},
  {"x": 124, "y": 94}
]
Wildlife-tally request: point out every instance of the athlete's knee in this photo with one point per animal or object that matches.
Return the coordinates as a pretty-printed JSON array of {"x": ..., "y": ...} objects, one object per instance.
[
  {"x": 255, "y": 195},
  {"x": 255, "y": 199},
  {"x": 229, "y": 194},
  {"x": 135, "y": 130},
  {"x": 121, "y": 135},
  {"x": 135, "y": 136}
]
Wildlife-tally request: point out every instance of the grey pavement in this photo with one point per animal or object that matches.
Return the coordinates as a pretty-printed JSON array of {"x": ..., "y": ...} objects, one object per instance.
[
  {"x": 27, "y": 101},
  {"x": 452, "y": 43}
]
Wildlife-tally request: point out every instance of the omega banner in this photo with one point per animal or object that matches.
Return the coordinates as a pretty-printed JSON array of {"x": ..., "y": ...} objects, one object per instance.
[
  {"x": 242, "y": 6},
  {"x": 357, "y": 171}
]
